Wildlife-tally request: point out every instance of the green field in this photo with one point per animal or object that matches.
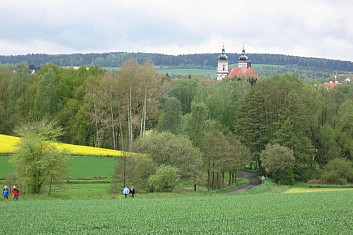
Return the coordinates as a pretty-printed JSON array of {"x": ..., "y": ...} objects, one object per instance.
[
  {"x": 91, "y": 167},
  {"x": 6, "y": 168},
  {"x": 180, "y": 72},
  {"x": 279, "y": 213},
  {"x": 86, "y": 207},
  {"x": 79, "y": 167},
  {"x": 263, "y": 70},
  {"x": 211, "y": 73}
]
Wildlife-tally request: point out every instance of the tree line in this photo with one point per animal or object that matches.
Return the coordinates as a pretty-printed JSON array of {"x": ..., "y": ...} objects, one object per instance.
[
  {"x": 205, "y": 60},
  {"x": 198, "y": 130}
]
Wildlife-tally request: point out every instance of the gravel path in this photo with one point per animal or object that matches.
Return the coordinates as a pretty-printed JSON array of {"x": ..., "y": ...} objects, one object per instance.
[{"x": 253, "y": 181}]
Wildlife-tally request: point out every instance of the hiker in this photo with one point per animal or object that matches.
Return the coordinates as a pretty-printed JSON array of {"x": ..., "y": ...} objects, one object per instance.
[
  {"x": 263, "y": 179},
  {"x": 15, "y": 193},
  {"x": 5, "y": 192},
  {"x": 132, "y": 192},
  {"x": 126, "y": 191}
]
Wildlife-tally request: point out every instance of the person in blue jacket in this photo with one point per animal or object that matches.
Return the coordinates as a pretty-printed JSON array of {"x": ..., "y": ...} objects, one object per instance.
[
  {"x": 5, "y": 193},
  {"x": 126, "y": 191}
]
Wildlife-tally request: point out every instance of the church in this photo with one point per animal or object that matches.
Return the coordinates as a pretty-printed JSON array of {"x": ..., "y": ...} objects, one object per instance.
[{"x": 242, "y": 72}]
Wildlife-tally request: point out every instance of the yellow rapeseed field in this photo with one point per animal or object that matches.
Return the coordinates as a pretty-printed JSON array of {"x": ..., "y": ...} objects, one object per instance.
[
  {"x": 310, "y": 190},
  {"x": 8, "y": 145}
]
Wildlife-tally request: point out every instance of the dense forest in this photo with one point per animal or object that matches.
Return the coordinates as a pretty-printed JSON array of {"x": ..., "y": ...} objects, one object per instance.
[
  {"x": 191, "y": 124},
  {"x": 208, "y": 60}
]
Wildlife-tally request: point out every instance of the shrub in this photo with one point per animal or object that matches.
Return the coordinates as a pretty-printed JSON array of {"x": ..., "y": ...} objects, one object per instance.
[
  {"x": 338, "y": 171},
  {"x": 285, "y": 178},
  {"x": 307, "y": 174},
  {"x": 165, "y": 179}
]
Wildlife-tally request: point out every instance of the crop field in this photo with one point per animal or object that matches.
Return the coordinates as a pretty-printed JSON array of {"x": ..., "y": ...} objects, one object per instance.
[
  {"x": 91, "y": 167},
  {"x": 294, "y": 213},
  {"x": 79, "y": 166},
  {"x": 261, "y": 69},
  {"x": 212, "y": 73},
  {"x": 8, "y": 145},
  {"x": 5, "y": 167}
]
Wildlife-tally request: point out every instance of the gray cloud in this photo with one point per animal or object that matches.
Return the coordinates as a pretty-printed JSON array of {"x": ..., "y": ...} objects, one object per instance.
[{"x": 317, "y": 28}]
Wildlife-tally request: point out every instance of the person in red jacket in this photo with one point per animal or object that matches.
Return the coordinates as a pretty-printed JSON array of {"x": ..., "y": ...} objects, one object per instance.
[{"x": 15, "y": 193}]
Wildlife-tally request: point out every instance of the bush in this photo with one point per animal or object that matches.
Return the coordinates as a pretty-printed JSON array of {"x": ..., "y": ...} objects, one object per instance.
[
  {"x": 165, "y": 179},
  {"x": 285, "y": 178},
  {"x": 337, "y": 171},
  {"x": 307, "y": 174},
  {"x": 330, "y": 177}
]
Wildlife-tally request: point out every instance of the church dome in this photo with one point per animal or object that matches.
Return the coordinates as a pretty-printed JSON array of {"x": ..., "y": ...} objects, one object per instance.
[
  {"x": 223, "y": 56},
  {"x": 243, "y": 56}
]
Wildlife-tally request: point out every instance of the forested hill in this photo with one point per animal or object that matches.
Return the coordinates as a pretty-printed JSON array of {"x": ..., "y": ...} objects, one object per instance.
[{"x": 208, "y": 60}]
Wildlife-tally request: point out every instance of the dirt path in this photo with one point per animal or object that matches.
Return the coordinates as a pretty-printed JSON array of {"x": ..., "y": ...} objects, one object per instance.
[{"x": 253, "y": 181}]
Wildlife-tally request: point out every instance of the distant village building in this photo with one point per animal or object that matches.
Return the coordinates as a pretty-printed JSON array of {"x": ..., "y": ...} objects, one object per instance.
[
  {"x": 331, "y": 84},
  {"x": 242, "y": 72}
]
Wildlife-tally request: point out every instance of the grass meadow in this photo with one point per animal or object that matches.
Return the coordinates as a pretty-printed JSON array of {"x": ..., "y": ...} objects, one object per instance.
[
  {"x": 87, "y": 167},
  {"x": 183, "y": 72},
  {"x": 211, "y": 73},
  {"x": 83, "y": 167}
]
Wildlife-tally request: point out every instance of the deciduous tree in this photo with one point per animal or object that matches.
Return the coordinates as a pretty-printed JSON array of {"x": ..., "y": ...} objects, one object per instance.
[
  {"x": 170, "y": 120},
  {"x": 177, "y": 151},
  {"x": 37, "y": 160},
  {"x": 278, "y": 161}
]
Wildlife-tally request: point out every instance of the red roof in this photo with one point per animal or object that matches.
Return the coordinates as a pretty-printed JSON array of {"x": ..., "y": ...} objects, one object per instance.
[
  {"x": 331, "y": 84},
  {"x": 242, "y": 72}
]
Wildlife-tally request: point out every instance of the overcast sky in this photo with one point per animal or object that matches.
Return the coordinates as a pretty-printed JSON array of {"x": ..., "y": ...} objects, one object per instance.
[{"x": 310, "y": 28}]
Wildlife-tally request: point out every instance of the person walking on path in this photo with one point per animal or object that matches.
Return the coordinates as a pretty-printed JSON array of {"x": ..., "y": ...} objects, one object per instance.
[
  {"x": 263, "y": 179},
  {"x": 126, "y": 191},
  {"x": 5, "y": 193},
  {"x": 132, "y": 192},
  {"x": 15, "y": 193}
]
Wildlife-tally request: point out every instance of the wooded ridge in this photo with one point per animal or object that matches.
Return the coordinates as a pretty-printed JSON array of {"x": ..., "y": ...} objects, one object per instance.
[{"x": 207, "y": 60}]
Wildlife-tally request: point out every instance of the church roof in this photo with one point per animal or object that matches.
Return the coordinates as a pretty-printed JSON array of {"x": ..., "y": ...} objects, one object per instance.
[
  {"x": 331, "y": 84},
  {"x": 243, "y": 56},
  {"x": 223, "y": 56},
  {"x": 242, "y": 72}
]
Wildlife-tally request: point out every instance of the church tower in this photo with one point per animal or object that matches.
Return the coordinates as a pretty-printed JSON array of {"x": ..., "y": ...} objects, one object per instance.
[
  {"x": 244, "y": 61},
  {"x": 222, "y": 69},
  {"x": 244, "y": 70}
]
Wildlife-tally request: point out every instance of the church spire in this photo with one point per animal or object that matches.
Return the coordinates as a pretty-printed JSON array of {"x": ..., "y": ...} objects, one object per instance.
[
  {"x": 223, "y": 56},
  {"x": 222, "y": 68}
]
